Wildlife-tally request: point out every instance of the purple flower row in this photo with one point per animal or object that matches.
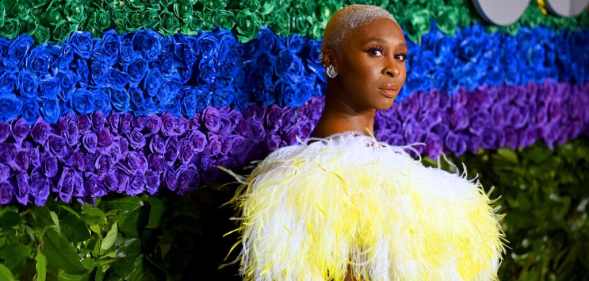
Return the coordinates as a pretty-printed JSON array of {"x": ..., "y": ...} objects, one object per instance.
[{"x": 88, "y": 156}]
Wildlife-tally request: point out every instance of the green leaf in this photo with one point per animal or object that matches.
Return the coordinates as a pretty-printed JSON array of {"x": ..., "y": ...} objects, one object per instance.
[
  {"x": 55, "y": 220},
  {"x": 126, "y": 204},
  {"x": 40, "y": 266},
  {"x": 9, "y": 218},
  {"x": 110, "y": 238},
  {"x": 92, "y": 215},
  {"x": 64, "y": 276},
  {"x": 156, "y": 211},
  {"x": 60, "y": 253},
  {"x": 508, "y": 155},
  {"x": 15, "y": 255},
  {"x": 129, "y": 224},
  {"x": 5, "y": 274},
  {"x": 74, "y": 228}
]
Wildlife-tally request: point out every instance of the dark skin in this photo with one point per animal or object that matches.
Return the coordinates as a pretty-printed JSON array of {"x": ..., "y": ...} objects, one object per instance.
[{"x": 371, "y": 71}]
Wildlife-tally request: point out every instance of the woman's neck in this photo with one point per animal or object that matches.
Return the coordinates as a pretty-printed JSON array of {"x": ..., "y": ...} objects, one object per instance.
[{"x": 339, "y": 117}]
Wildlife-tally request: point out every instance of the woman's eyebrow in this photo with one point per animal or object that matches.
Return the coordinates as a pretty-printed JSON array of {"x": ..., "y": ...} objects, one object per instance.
[{"x": 382, "y": 41}]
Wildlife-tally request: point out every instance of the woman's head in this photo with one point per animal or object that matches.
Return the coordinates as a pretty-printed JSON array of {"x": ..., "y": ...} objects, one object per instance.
[{"x": 365, "y": 46}]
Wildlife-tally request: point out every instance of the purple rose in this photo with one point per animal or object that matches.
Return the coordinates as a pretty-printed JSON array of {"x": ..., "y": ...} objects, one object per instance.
[
  {"x": 49, "y": 165},
  {"x": 4, "y": 172},
  {"x": 511, "y": 138},
  {"x": 6, "y": 193},
  {"x": 93, "y": 185},
  {"x": 455, "y": 143},
  {"x": 21, "y": 161},
  {"x": 186, "y": 151},
  {"x": 34, "y": 157},
  {"x": 104, "y": 138},
  {"x": 393, "y": 138},
  {"x": 4, "y": 131},
  {"x": 489, "y": 138},
  {"x": 77, "y": 182},
  {"x": 157, "y": 144},
  {"x": 39, "y": 188},
  {"x": 98, "y": 120},
  {"x": 70, "y": 131},
  {"x": 90, "y": 142},
  {"x": 274, "y": 118},
  {"x": 214, "y": 146},
  {"x": 75, "y": 160},
  {"x": 57, "y": 146},
  {"x": 126, "y": 123},
  {"x": 459, "y": 119},
  {"x": 40, "y": 132},
  {"x": 103, "y": 164},
  {"x": 187, "y": 179},
  {"x": 198, "y": 140},
  {"x": 273, "y": 142},
  {"x": 66, "y": 185},
  {"x": 84, "y": 123},
  {"x": 433, "y": 146},
  {"x": 172, "y": 126},
  {"x": 123, "y": 181},
  {"x": 153, "y": 124},
  {"x": 109, "y": 181},
  {"x": 7, "y": 153},
  {"x": 136, "y": 162},
  {"x": 212, "y": 119},
  {"x": 517, "y": 117},
  {"x": 22, "y": 188},
  {"x": 171, "y": 179},
  {"x": 478, "y": 123},
  {"x": 136, "y": 184},
  {"x": 136, "y": 139},
  {"x": 156, "y": 162},
  {"x": 20, "y": 130},
  {"x": 113, "y": 120},
  {"x": 152, "y": 181},
  {"x": 172, "y": 151}
]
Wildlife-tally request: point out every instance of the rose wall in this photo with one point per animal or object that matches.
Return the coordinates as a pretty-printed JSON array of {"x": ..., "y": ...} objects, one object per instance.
[{"x": 115, "y": 118}]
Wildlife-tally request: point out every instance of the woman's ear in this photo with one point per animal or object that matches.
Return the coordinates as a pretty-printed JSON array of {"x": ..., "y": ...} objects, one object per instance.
[{"x": 328, "y": 57}]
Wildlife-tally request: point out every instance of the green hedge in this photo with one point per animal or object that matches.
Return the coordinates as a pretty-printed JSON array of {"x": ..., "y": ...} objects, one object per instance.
[{"x": 543, "y": 192}]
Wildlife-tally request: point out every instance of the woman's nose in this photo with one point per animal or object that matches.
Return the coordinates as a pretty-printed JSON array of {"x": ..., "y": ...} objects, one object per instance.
[{"x": 391, "y": 70}]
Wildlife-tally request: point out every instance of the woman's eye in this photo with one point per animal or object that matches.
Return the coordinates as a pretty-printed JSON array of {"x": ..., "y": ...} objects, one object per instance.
[
  {"x": 401, "y": 57},
  {"x": 376, "y": 52}
]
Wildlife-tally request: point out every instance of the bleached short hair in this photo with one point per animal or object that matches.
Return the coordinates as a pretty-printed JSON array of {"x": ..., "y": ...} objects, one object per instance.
[{"x": 349, "y": 18}]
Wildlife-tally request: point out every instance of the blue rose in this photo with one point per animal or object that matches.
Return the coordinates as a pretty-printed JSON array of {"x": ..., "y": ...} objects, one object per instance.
[
  {"x": 10, "y": 107},
  {"x": 120, "y": 99},
  {"x": 183, "y": 50},
  {"x": 27, "y": 84},
  {"x": 80, "y": 68},
  {"x": 167, "y": 93},
  {"x": 126, "y": 52},
  {"x": 41, "y": 59},
  {"x": 195, "y": 100},
  {"x": 147, "y": 43},
  {"x": 18, "y": 50},
  {"x": 82, "y": 43},
  {"x": 50, "y": 110},
  {"x": 49, "y": 88},
  {"x": 101, "y": 100},
  {"x": 117, "y": 79},
  {"x": 152, "y": 82},
  {"x": 109, "y": 45},
  {"x": 289, "y": 63},
  {"x": 64, "y": 59},
  {"x": 136, "y": 70},
  {"x": 8, "y": 81},
  {"x": 30, "y": 109},
  {"x": 100, "y": 70},
  {"x": 4, "y": 45},
  {"x": 82, "y": 101}
]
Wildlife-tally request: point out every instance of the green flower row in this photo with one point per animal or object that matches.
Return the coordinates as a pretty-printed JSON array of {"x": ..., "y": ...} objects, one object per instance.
[{"x": 56, "y": 19}]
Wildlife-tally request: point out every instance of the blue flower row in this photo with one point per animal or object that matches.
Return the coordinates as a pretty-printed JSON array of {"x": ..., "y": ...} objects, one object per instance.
[
  {"x": 89, "y": 156},
  {"x": 146, "y": 73}
]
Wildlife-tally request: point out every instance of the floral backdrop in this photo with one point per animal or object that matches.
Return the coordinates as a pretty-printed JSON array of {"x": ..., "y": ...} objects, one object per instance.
[{"x": 114, "y": 118}]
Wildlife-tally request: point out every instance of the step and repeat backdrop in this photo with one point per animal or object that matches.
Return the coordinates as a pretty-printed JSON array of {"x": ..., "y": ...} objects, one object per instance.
[{"x": 115, "y": 115}]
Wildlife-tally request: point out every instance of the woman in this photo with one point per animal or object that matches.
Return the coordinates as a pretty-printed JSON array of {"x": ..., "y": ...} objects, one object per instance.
[{"x": 343, "y": 206}]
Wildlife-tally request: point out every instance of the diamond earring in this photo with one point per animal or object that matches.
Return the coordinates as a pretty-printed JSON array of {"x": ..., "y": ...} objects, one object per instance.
[{"x": 330, "y": 71}]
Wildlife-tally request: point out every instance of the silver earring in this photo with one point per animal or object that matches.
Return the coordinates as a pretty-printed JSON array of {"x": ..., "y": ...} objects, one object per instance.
[{"x": 330, "y": 71}]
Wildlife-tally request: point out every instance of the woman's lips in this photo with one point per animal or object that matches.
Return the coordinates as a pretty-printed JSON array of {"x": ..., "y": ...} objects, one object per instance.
[{"x": 389, "y": 92}]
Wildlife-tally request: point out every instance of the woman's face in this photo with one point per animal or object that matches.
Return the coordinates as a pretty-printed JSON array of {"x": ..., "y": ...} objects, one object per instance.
[{"x": 371, "y": 65}]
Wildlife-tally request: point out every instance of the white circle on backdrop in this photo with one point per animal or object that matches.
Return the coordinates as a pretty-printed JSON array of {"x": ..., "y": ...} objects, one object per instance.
[
  {"x": 567, "y": 8},
  {"x": 501, "y": 12}
]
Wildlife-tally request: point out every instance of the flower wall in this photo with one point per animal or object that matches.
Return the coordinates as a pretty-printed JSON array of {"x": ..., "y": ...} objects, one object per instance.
[{"x": 138, "y": 101}]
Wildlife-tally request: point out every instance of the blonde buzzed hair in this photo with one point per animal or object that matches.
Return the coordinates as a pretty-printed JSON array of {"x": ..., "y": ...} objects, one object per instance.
[{"x": 349, "y": 18}]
